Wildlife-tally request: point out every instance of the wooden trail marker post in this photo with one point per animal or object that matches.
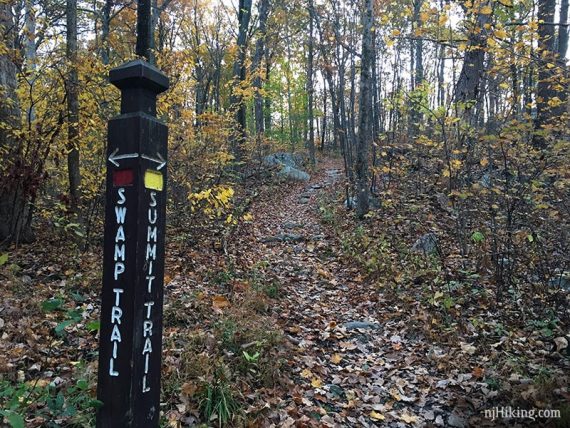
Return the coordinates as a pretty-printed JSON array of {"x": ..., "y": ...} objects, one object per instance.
[{"x": 133, "y": 260}]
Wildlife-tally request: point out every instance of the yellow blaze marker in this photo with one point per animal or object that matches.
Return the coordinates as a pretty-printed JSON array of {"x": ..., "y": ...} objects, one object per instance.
[{"x": 153, "y": 180}]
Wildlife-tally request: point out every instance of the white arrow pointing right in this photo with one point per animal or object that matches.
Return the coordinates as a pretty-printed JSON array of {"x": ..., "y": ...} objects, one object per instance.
[{"x": 159, "y": 160}]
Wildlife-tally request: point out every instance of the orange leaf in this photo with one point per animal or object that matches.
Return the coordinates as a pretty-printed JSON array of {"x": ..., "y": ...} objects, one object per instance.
[
  {"x": 220, "y": 302},
  {"x": 478, "y": 372},
  {"x": 188, "y": 389}
]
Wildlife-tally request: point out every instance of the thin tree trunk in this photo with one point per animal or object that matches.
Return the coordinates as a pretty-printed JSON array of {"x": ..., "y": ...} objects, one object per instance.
[
  {"x": 338, "y": 136},
  {"x": 267, "y": 101},
  {"x": 288, "y": 82},
  {"x": 440, "y": 76},
  {"x": 365, "y": 125},
  {"x": 324, "y": 120},
  {"x": 105, "y": 28},
  {"x": 376, "y": 113},
  {"x": 72, "y": 87},
  {"x": 239, "y": 74},
  {"x": 310, "y": 88},
  {"x": 417, "y": 72},
  {"x": 544, "y": 88},
  {"x": 256, "y": 69},
  {"x": 30, "y": 49},
  {"x": 563, "y": 32}
]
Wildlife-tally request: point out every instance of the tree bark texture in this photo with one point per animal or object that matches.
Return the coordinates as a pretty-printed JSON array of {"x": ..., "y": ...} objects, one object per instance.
[{"x": 365, "y": 110}]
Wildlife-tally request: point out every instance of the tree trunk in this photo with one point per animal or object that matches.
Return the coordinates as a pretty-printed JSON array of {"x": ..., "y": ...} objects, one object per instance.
[
  {"x": 417, "y": 72},
  {"x": 544, "y": 87},
  {"x": 239, "y": 74},
  {"x": 563, "y": 32},
  {"x": 440, "y": 76},
  {"x": 267, "y": 101},
  {"x": 365, "y": 120},
  {"x": 105, "y": 29},
  {"x": 256, "y": 69},
  {"x": 15, "y": 209},
  {"x": 324, "y": 120},
  {"x": 72, "y": 88},
  {"x": 469, "y": 85},
  {"x": 338, "y": 135},
  {"x": 154, "y": 20},
  {"x": 310, "y": 86},
  {"x": 30, "y": 49}
]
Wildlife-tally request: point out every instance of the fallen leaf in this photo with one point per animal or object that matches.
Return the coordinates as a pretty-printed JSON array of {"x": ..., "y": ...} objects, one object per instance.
[
  {"x": 375, "y": 416},
  {"x": 395, "y": 395},
  {"x": 316, "y": 382},
  {"x": 561, "y": 343},
  {"x": 336, "y": 358},
  {"x": 188, "y": 389},
  {"x": 468, "y": 348},
  {"x": 409, "y": 419},
  {"x": 220, "y": 302},
  {"x": 478, "y": 372},
  {"x": 347, "y": 345}
]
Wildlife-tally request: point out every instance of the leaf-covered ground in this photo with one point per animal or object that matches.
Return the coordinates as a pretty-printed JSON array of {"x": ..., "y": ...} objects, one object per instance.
[{"x": 300, "y": 317}]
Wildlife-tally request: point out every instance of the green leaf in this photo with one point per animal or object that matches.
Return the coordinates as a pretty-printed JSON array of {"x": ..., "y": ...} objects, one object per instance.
[
  {"x": 96, "y": 404},
  {"x": 75, "y": 315},
  {"x": 82, "y": 384},
  {"x": 60, "y": 328},
  {"x": 3, "y": 259},
  {"x": 78, "y": 297},
  {"x": 14, "y": 419},
  {"x": 477, "y": 237},
  {"x": 93, "y": 325},
  {"x": 51, "y": 304},
  {"x": 70, "y": 410}
]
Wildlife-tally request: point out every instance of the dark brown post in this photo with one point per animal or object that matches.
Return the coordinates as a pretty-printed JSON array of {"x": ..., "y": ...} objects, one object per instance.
[{"x": 133, "y": 260}]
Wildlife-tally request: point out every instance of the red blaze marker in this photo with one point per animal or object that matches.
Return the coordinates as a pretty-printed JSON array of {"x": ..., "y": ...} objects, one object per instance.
[{"x": 123, "y": 177}]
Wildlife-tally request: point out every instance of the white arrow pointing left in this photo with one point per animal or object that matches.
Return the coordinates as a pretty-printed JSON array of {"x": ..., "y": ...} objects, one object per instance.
[{"x": 114, "y": 157}]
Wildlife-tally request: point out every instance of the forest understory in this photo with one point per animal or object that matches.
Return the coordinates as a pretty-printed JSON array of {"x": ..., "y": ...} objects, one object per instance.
[{"x": 297, "y": 318}]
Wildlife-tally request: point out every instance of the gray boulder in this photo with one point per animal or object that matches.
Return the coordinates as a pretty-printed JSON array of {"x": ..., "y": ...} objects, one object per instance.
[
  {"x": 277, "y": 159},
  {"x": 426, "y": 244},
  {"x": 290, "y": 173},
  {"x": 289, "y": 163},
  {"x": 294, "y": 160},
  {"x": 365, "y": 325}
]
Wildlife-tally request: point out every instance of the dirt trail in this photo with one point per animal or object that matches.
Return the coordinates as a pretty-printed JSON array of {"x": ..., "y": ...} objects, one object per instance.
[
  {"x": 347, "y": 363},
  {"x": 352, "y": 359}
]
